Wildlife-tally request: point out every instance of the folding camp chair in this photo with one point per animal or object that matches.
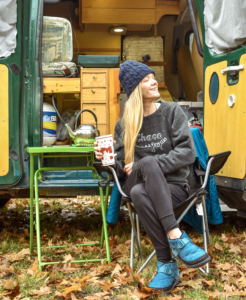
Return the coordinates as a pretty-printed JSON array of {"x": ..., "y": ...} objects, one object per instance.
[{"x": 197, "y": 197}]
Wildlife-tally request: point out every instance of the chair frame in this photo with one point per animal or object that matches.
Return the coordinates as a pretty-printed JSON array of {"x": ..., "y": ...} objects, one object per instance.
[{"x": 220, "y": 158}]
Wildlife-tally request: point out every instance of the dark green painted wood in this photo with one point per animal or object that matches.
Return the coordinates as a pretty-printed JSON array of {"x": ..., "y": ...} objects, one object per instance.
[{"x": 14, "y": 101}]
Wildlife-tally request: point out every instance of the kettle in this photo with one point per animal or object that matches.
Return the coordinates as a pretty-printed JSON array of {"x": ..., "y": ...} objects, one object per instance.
[{"x": 85, "y": 134}]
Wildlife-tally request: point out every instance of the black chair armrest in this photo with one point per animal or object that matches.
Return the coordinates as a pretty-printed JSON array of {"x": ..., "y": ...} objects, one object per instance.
[
  {"x": 112, "y": 176},
  {"x": 219, "y": 159},
  {"x": 100, "y": 169}
]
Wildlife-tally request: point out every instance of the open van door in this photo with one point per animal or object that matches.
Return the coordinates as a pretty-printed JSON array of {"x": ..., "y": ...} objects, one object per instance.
[
  {"x": 10, "y": 91},
  {"x": 224, "y": 49},
  {"x": 19, "y": 89}
]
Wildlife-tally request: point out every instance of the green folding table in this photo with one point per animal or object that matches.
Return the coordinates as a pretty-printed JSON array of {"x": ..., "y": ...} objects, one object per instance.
[{"x": 63, "y": 151}]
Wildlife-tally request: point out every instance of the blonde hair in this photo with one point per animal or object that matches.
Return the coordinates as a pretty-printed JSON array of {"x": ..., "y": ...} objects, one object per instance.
[{"x": 132, "y": 122}]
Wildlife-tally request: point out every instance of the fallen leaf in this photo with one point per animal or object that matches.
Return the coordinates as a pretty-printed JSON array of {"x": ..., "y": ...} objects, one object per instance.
[
  {"x": 176, "y": 297},
  {"x": 128, "y": 243},
  {"x": 218, "y": 247},
  {"x": 224, "y": 295},
  {"x": 227, "y": 288},
  {"x": 225, "y": 266},
  {"x": 209, "y": 282},
  {"x": 68, "y": 257},
  {"x": 20, "y": 255},
  {"x": 5, "y": 298},
  {"x": 71, "y": 289},
  {"x": 113, "y": 242},
  {"x": 223, "y": 238},
  {"x": 6, "y": 270},
  {"x": 12, "y": 293},
  {"x": 42, "y": 291},
  {"x": 145, "y": 293},
  {"x": 242, "y": 283},
  {"x": 116, "y": 270},
  {"x": 191, "y": 283},
  {"x": 106, "y": 285},
  {"x": 186, "y": 271},
  {"x": 234, "y": 249},
  {"x": 10, "y": 284},
  {"x": 65, "y": 282},
  {"x": 62, "y": 296},
  {"x": 98, "y": 296},
  {"x": 211, "y": 251}
]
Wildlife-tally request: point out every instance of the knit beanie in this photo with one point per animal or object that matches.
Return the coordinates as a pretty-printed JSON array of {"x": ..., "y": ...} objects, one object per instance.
[{"x": 131, "y": 73}]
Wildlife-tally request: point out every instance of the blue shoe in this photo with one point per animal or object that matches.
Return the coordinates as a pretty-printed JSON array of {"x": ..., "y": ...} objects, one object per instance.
[
  {"x": 166, "y": 278},
  {"x": 188, "y": 253}
]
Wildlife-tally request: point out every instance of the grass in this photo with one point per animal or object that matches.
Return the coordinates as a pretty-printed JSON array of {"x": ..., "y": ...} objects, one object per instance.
[{"x": 73, "y": 228}]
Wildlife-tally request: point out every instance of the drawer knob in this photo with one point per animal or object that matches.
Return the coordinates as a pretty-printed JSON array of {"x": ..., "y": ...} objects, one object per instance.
[
  {"x": 94, "y": 77},
  {"x": 93, "y": 91},
  {"x": 94, "y": 107}
]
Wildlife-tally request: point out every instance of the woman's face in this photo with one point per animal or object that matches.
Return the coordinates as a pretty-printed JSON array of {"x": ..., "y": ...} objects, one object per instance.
[{"x": 150, "y": 87}]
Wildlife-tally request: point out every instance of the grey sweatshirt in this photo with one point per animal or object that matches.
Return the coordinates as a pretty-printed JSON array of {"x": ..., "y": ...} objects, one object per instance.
[{"x": 164, "y": 134}]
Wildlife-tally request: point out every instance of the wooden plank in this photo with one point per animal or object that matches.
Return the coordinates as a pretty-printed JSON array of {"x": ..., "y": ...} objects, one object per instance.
[
  {"x": 118, "y": 4},
  {"x": 114, "y": 99},
  {"x": 61, "y": 85},
  {"x": 4, "y": 120},
  {"x": 166, "y": 2},
  {"x": 124, "y": 16},
  {"x": 162, "y": 10},
  {"x": 75, "y": 50},
  {"x": 95, "y": 101},
  {"x": 107, "y": 27},
  {"x": 224, "y": 125},
  {"x": 107, "y": 102}
]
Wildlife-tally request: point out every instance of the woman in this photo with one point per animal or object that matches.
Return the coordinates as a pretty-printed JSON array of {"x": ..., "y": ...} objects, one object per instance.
[{"x": 154, "y": 148}]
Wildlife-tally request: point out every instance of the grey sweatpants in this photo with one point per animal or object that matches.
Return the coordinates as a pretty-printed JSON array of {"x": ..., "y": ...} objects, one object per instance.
[{"x": 154, "y": 199}]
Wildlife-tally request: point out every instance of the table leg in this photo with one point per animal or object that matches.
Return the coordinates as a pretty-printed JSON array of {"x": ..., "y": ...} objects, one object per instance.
[
  {"x": 105, "y": 207},
  {"x": 105, "y": 230},
  {"x": 37, "y": 220},
  {"x": 31, "y": 200},
  {"x": 40, "y": 177}
]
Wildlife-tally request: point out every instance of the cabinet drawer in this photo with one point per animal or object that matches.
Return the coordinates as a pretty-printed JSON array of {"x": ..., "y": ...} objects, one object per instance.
[
  {"x": 94, "y": 94},
  {"x": 93, "y": 79},
  {"x": 98, "y": 109},
  {"x": 103, "y": 129}
]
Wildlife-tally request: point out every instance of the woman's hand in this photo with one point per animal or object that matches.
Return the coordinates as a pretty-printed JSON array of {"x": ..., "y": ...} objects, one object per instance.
[
  {"x": 98, "y": 152},
  {"x": 128, "y": 168}
]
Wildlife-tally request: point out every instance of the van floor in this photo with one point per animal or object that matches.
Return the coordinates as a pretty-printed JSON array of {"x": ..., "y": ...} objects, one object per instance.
[{"x": 70, "y": 221}]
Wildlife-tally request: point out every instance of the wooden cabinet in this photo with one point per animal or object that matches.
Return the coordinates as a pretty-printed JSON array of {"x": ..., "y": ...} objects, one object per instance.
[{"x": 100, "y": 90}]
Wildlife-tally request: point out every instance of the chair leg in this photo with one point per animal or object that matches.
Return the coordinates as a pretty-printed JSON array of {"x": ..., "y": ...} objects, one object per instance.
[
  {"x": 138, "y": 238},
  {"x": 134, "y": 227},
  {"x": 205, "y": 239},
  {"x": 132, "y": 247},
  {"x": 147, "y": 261},
  {"x": 206, "y": 220}
]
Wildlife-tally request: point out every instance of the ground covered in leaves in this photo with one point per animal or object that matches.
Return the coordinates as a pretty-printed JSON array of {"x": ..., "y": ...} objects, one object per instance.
[{"x": 72, "y": 221}]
